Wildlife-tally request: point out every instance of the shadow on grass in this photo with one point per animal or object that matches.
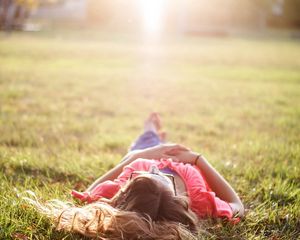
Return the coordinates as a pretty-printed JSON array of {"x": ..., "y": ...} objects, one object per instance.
[{"x": 21, "y": 172}]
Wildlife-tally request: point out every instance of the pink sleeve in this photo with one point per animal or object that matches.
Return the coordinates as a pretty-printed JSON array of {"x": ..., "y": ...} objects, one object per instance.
[
  {"x": 204, "y": 200},
  {"x": 106, "y": 189},
  {"x": 206, "y": 203}
]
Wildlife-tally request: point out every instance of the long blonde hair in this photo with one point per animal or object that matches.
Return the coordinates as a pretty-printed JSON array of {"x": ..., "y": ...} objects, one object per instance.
[{"x": 141, "y": 210}]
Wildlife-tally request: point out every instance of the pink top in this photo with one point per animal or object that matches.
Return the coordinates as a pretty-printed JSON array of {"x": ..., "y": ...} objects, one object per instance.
[{"x": 203, "y": 201}]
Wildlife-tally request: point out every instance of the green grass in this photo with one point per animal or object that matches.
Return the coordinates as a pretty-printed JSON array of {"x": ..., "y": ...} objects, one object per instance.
[{"x": 71, "y": 103}]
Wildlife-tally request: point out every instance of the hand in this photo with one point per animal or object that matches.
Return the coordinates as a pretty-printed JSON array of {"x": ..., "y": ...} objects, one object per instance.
[
  {"x": 186, "y": 157},
  {"x": 162, "y": 151}
]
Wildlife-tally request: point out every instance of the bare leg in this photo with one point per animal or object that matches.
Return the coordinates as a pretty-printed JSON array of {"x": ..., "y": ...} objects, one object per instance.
[{"x": 153, "y": 123}]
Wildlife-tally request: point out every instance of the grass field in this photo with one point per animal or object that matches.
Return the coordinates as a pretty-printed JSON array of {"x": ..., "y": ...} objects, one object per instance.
[{"x": 72, "y": 102}]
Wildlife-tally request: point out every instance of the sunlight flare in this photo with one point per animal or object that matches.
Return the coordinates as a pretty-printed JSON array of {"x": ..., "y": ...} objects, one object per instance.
[{"x": 152, "y": 11}]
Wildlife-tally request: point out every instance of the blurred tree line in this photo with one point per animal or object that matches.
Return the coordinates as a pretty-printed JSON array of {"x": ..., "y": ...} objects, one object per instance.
[
  {"x": 14, "y": 13},
  {"x": 262, "y": 13},
  {"x": 290, "y": 15},
  {"x": 125, "y": 13}
]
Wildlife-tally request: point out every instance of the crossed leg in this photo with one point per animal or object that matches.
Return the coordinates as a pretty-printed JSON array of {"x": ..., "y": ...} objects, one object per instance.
[{"x": 152, "y": 135}]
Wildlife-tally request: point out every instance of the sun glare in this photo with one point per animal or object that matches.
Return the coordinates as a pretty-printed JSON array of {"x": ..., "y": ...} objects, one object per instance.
[{"x": 152, "y": 11}]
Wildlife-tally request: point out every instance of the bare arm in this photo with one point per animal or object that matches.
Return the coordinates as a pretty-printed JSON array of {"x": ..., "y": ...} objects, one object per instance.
[
  {"x": 114, "y": 172},
  {"x": 156, "y": 152}
]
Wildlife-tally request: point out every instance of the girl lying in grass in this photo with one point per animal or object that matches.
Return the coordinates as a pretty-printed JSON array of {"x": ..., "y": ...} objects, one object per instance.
[{"x": 158, "y": 191}]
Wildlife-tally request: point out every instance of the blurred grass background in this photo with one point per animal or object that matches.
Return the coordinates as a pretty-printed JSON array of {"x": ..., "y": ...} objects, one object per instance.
[{"x": 71, "y": 102}]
